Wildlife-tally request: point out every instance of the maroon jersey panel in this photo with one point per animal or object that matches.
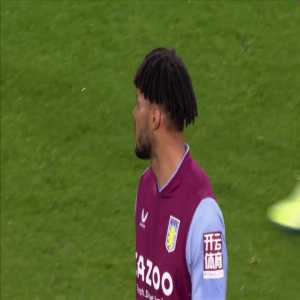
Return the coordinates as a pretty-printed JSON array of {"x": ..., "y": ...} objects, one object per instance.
[{"x": 162, "y": 224}]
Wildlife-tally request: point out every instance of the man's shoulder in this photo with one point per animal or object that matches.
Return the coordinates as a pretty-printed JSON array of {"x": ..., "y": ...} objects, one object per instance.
[
  {"x": 146, "y": 172},
  {"x": 197, "y": 171},
  {"x": 146, "y": 176},
  {"x": 197, "y": 180}
]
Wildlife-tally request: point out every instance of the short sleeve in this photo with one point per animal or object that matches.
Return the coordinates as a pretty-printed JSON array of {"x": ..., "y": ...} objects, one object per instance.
[{"x": 206, "y": 252}]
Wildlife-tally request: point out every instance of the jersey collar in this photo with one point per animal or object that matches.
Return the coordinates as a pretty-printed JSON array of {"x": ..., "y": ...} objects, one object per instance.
[{"x": 174, "y": 179}]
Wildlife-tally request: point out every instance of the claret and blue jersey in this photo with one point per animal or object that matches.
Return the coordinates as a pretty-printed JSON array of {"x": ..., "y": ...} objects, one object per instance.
[{"x": 180, "y": 237}]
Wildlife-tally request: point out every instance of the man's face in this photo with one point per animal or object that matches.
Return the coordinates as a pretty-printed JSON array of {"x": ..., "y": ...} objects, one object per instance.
[{"x": 141, "y": 113}]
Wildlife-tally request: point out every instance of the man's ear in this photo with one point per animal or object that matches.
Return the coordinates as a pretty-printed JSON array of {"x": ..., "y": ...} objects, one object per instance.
[{"x": 156, "y": 117}]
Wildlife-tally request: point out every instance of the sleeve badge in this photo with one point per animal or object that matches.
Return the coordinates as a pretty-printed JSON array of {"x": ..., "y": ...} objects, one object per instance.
[{"x": 212, "y": 255}]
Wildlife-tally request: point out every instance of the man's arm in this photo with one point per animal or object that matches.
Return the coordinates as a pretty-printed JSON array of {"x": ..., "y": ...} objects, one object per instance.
[{"x": 206, "y": 252}]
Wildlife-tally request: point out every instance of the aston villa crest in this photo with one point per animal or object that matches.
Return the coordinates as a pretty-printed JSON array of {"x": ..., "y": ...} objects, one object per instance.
[{"x": 172, "y": 234}]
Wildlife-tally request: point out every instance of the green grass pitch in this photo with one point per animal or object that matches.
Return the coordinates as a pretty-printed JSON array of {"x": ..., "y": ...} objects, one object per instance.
[{"x": 68, "y": 170}]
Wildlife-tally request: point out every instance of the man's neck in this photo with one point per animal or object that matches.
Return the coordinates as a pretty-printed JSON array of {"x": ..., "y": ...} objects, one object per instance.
[{"x": 166, "y": 159}]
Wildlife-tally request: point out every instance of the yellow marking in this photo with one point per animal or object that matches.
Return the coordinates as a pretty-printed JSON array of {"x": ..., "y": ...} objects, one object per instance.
[{"x": 171, "y": 237}]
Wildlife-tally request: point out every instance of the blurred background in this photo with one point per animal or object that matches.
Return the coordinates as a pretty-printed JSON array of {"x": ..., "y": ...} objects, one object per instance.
[{"x": 68, "y": 170}]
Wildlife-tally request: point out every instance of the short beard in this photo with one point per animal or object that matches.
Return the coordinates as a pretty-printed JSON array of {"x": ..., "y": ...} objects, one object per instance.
[{"x": 143, "y": 151}]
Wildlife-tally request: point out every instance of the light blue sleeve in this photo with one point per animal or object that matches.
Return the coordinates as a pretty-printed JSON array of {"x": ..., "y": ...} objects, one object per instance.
[{"x": 207, "y": 228}]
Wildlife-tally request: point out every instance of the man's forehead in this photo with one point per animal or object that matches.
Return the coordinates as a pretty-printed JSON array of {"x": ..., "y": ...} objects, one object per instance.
[
  {"x": 140, "y": 96},
  {"x": 138, "y": 92}
]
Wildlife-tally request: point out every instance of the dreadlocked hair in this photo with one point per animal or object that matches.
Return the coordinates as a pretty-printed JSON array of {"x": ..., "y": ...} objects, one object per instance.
[{"x": 163, "y": 79}]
